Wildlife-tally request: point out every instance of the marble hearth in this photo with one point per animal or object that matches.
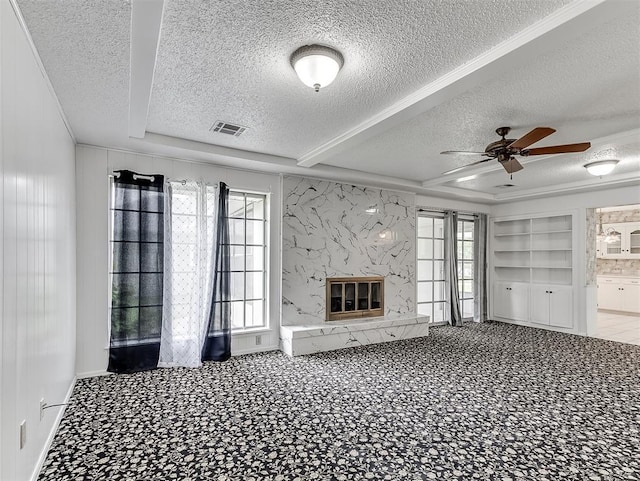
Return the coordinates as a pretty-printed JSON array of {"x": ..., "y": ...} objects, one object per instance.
[{"x": 329, "y": 336}]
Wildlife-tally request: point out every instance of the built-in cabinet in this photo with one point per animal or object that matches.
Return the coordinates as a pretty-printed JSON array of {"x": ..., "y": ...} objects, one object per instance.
[
  {"x": 619, "y": 293},
  {"x": 511, "y": 300},
  {"x": 531, "y": 269},
  {"x": 623, "y": 241},
  {"x": 552, "y": 306}
]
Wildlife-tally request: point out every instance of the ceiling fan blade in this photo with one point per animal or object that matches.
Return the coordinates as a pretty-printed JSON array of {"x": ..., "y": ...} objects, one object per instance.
[
  {"x": 558, "y": 149},
  {"x": 458, "y": 169},
  {"x": 512, "y": 165},
  {"x": 532, "y": 137},
  {"x": 461, "y": 152}
]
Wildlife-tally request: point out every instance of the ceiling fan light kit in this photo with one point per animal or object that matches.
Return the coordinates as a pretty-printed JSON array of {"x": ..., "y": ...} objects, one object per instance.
[
  {"x": 316, "y": 65},
  {"x": 601, "y": 167},
  {"x": 504, "y": 150}
]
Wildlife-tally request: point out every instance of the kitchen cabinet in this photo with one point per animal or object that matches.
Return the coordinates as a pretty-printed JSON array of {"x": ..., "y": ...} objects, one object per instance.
[
  {"x": 619, "y": 293},
  {"x": 626, "y": 243}
]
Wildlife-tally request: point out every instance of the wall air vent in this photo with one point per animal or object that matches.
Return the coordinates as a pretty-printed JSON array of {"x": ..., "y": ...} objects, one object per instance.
[
  {"x": 504, "y": 186},
  {"x": 227, "y": 128}
]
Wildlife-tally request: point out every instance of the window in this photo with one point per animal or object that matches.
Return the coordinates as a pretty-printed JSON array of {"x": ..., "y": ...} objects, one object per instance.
[
  {"x": 193, "y": 208},
  {"x": 136, "y": 272},
  {"x": 431, "y": 299},
  {"x": 430, "y": 268},
  {"x": 465, "y": 265},
  {"x": 248, "y": 249}
]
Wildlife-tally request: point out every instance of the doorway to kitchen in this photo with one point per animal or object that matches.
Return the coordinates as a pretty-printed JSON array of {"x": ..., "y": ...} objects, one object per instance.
[{"x": 617, "y": 271}]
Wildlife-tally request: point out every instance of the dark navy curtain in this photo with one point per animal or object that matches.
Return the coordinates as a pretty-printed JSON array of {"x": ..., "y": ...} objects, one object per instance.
[
  {"x": 217, "y": 345},
  {"x": 137, "y": 271}
]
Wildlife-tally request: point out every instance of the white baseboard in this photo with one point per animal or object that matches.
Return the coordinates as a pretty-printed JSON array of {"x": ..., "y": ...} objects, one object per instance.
[
  {"x": 254, "y": 350},
  {"x": 52, "y": 434},
  {"x": 234, "y": 352},
  {"x": 84, "y": 375}
]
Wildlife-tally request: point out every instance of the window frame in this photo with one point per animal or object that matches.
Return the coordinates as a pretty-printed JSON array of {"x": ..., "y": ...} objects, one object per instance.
[
  {"x": 111, "y": 209},
  {"x": 265, "y": 260},
  {"x": 461, "y": 259},
  {"x": 433, "y": 216},
  {"x": 460, "y": 242}
]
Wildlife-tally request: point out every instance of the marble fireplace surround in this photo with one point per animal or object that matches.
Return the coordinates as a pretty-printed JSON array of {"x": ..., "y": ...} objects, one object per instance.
[{"x": 332, "y": 230}]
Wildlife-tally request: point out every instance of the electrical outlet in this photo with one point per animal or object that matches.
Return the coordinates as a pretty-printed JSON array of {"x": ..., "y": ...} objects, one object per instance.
[
  {"x": 23, "y": 433},
  {"x": 258, "y": 340},
  {"x": 42, "y": 405}
]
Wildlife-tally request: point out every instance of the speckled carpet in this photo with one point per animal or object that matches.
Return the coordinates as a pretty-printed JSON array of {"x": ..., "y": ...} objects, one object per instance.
[{"x": 489, "y": 402}]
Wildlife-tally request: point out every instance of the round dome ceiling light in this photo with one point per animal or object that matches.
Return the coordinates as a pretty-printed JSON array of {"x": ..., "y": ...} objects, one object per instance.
[
  {"x": 316, "y": 65},
  {"x": 601, "y": 167}
]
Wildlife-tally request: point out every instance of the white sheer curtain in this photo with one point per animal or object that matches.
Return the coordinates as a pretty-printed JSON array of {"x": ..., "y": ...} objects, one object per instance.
[{"x": 188, "y": 276}]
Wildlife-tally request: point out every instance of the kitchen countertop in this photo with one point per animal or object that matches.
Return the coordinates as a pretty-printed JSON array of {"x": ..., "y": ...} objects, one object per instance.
[{"x": 621, "y": 276}]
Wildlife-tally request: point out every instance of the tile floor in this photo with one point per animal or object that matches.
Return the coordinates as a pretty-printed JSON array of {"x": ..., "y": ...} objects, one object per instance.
[{"x": 618, "y": 327}]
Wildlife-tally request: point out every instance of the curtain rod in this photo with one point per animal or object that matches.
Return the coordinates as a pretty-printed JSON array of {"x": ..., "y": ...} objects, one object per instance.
[
  {"x": 442, "y": 211},
  {"x": 136, "y": 176},
  {"x": 184, "y": 182}
]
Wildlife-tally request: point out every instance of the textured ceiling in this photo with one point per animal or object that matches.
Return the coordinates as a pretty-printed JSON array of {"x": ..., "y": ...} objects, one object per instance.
[
  {"x": 231, "y": 62},
  {"x": 84, "y": 47},
  {"x": 581, "y": 89}
]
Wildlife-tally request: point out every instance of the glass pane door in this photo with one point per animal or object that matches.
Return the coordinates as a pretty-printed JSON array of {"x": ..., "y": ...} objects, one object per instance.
[{"x": 613, "y": 242}]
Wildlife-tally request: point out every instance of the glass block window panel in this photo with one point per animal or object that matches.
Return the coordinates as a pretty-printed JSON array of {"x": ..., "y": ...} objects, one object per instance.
[{"x": 248, "y": 245}]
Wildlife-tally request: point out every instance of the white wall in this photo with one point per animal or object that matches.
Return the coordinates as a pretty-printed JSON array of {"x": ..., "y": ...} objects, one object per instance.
[
  {"x": 38, "y": 254},
  {"x": 578, "y": 203},
  {"x": 92, "y": 170}
]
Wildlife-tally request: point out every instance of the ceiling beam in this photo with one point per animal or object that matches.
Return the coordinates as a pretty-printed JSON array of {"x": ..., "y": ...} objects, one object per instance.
[
  {"x": 158, "y": 144},
  {"x": 569, "y": 21},
  {"x": 146, "y": 21},
  {"x": 593, "y": 184}
]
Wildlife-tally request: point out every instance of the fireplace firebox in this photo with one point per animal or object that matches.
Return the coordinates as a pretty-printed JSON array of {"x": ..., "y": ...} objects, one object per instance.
[{"x": 354, "y": 297}]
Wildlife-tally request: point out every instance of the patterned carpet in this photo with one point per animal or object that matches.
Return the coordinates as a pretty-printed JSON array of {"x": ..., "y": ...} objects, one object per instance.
[{"x": 482, "y": 402}]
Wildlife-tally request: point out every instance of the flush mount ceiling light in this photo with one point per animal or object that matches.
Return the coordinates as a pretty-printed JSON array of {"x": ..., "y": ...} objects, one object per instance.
[
  {"x": 601, "y": 167},
  {"x": 316, "y": 65}
]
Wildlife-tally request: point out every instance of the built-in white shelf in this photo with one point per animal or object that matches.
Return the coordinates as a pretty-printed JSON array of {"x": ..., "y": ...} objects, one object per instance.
[
  {"x": 552, "y": 232},
  {"x": 550, "y": 267},
  {"x": 513, "y": 235},
  {"x": 549, "y": 250},
  {"x": 532, "y": 276}
]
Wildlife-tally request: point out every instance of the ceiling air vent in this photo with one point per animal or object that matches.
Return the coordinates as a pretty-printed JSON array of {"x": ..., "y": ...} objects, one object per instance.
[
  {"x": 227, "y": 128},
  {"x": 504, "y": 186}
]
